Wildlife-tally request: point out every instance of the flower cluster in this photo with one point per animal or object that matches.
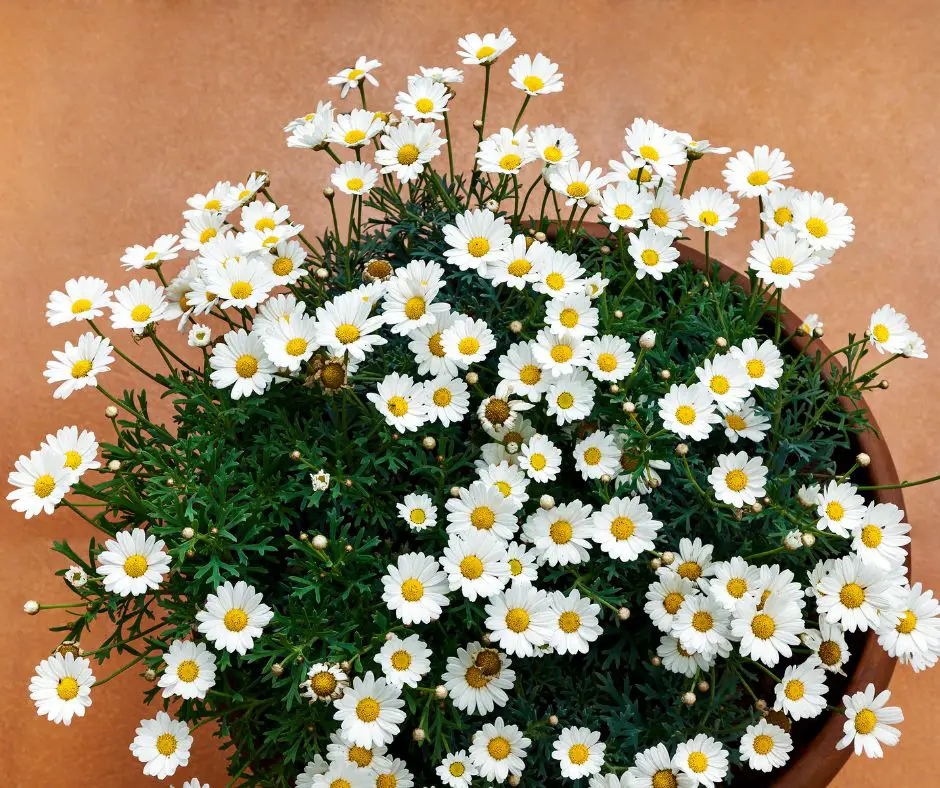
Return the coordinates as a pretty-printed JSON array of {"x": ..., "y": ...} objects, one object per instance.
[{"x": 545, "y": 495}]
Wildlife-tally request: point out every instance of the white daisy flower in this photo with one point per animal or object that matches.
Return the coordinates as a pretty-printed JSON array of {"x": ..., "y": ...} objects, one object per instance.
[
  {"x": 667, "y": 215},
  {"x": 853, "y": 594},
  {"x": 520, "y": 369},
  {"x": 652, "y": 253},
  {"x": 733, "y": 581},
  {"x": 765, "y": 747},
  {"x": 778, "y": 209},
  {"x": 840, "y": 508},
  {"x": 481, "y": 507},
  {"x": 523, "y": 564},
  {"x": 536, "y": 76},
  {"x": 625, "y": 206},
  {"x": 407, "y": 148},
  {"x": 560, "y": 535},
  {"x": 757, "y": 174},
  {"x": 260, "y": 216},
  {"x": 404, "y": 661},
  {"x": 320, "y": 480},
  {"x": 658, "y": 148},
  {"x": 595, "y": 286},
  {"x": 162, "y": 745},
  {"x": 782, "y": 260},
  {"x": 712, "y": 210},
  {"x": 570, "y": 398},
  {"x": 239, "y": 362},
  {"x": 654, "y": 769},
  {"x": 477, "y": 238},
  {"x": 408, "y": 296},
  {"x": 418, "y": 511},
  {"x": 166, "y": 247},
  {"x": 577, "y": 183},
  {"x": 574, "y": 623},
  {"x": 510, "y": 480},
  {"x": 138, "y": 304},
  {"x": 634, "y": 170},
  {"x": 726, "y": 380},
  {"x": 597, "y": 455},
  {"x": 688, "y": 411},
  {"x": 61, "y": 688},
  {"x": 233, "y": 617},
  {"x": 553, "y": 145},
  {"x": 812, "y": 326},
  {"x": 520, "y": 620},
  {"x": 467, "y": 341},
  {"x": 822, "y": 222},
  {"x": 189, "y": 671},
  {"x": 559, "y": 355},
  {"x": 133, "y": 563},
  {"x": 498, "y": 750},
  {"x": 312, "y": 771},
  {"x": 267, "y": 238},
  {"x": 697, "y": 149},
  {"x": 424, "y": 99},
  {"x": 476, "y": 564},
  {"x": 483, "y": 50},
  {"x": 572, "y": 315},
  {"x": 911, "y": 631},
  {"x": 289, "y": 345},
  {"x": 428, "y": 350},
  {"x": 456, "y": 770},
  {"x": 212, "y": 200},
  {"x": 540, "y": 459},
  {"x": 311, "y": 130},
  {"x": 84, "y": 298},
  {"x": 914, "y": 347},
  {"x": 518, "y": 266},
  {"x": 677, "y": 660},
  {"x": 75, "y": 576},
  {"x": 746, "y": 421},
  {"x": 325, "y": 682},
  {"x": 703, "y": 626},
  {"x": 888, "y": 331},
  {"x": 355, "y": 129},
  {"x": 801, "y": 693},
  {"x": 201, "y": 228},
  {"x": 738, "y": 480},
  {"x": 40, "y": 481},
  {"x": 362, "y": 759},
  {"x": 579, "y": 751},
  {"x": 829, "y": 645},
  {"x": 870, "y": 723},
  {"x": 415, "y": 588},
  {"x": 341, "y": 774},
  {"x": 401, "y": 401},
  {"x": 624, "y": 528},
  {"x": 370, "y": 711},
  {"x": 767, "y": 630},
  {"x": 762, "y": 362},
  {"x": 559, "y": 274},
  {"x": 882, "y": 538},
  {"x": 702, "y": 758},
  {"x": 392, "y": 772},
  {"x": 354, "y": 177},
  {"x": 240, "y": 193},
  {"x": 694, "y": 559},
  {"x": 344, "y": 326},
  {"x": 350, "y": 78},
  {"x": 478, "y": 678},
  {"x": 610, "y": 358},
  {"x": 666, "y": 596},
  {"x": 446, "y": 76}
]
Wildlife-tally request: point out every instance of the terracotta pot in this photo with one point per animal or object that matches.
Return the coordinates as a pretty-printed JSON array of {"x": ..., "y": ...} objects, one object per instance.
[{"x": 814, "y": 763}]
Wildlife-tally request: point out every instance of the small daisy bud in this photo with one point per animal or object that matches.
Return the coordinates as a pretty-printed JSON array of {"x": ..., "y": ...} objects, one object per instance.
[
  {"x": 553, "y": 719},
  {"x": 655, "y": 564},
  {"x": 295, "y": 455},
  {"x": 214, "y": 531},
  {"x": 472, "y": 378},
  {"x": 540, "y": 236},
  {"x": 605, "y": 478},
  {"x": 618, "y": 313},
  {"x": 188, "y": 532},
  {"x": 648, "y": 340},
  {"x": 689, "y": 698},
  {"x": 429, "y": 442},
  {"x": 322, "y": 273},
  {"x": 767, "y": 500},
  {"x": 704, "y": 686},
  {"x": 512, "y": 447},
  {"x": 150, "y": 674},
  {"x": 883, "y": 385},
  {"x": 111, "y": 412},
  {"x": 304, "y": 537},
  {"x": 757, "y": 507},
  {"x": 346, "y": 665},
  {"x": 190, "y": 553},
  {"x": 614, "y": 388},
  {"x": 629, "y": 407},
  {"x": 738, "y": 514},
  {"x": 492, "y": 205},
  {"x": 514, "y": 779},
  {"x": 818, "y": 331},
  {"x": 668, "y": 557},
  {"x": 760, "y": 705},
  {"x": 793, "y": 540},
  {"x": 454, "y": 492},
  {"x": 389, "y": 636},
  {"x": 320, "y": 542},
  {"x": 31, "y": 608},
  {"x": 277, "y": 669},
  {"x": 721, "y": 342},
  {"x": 478, "y": 124},
  {"x": 348, "y": 548},
  {"x": 515, "y": 326},
  {"x": 808, "y": 539},
  {"x": 114, "y": 466},
  {"x": 863, "y": 459},
  {"x": 440, "y": 692},
  {"x": 328, "y": 192},
  {"x": 348, "y": 482},
  {"x": 171, "y": 483},
  {"x": 682, "y": 449},
  {"x": 605, "y": 249},
  {"x": 665, "y": 374},
  {"x": 623, "y": 613},
  {"x": 656, "y": 662},
  {"x": 706, "y": 284},
  {"x": 547, "y": 502}
]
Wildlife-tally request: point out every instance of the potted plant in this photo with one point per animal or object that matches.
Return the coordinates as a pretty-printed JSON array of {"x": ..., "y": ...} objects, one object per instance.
[{"x": 467, "y": 489}]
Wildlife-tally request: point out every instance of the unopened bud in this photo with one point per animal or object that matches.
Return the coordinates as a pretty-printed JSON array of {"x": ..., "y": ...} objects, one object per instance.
[
  {"x": 277, "y": 669},
  {"x": 31, "y": 607},
  {"x": 150, "y": 674},
  {"x": 188, "y": 532},
  {"x": 454, "y": 492},
  {"x": 655, "y": 564},
  {"x": 665, "y": 374},
  {"x": 721, "y": 342},
  {"x": 328, "y": 192},
  {"x": 552, "y": 719},
  {"x": 515, "y": 326},
  {"x": 440, "y": 692},
  {"x": 689, "y": 698},
  {"x": 623, "y": 613},
  {"x": 295, "y": 455},
  {"x": 704, "y": 686},
  {"x": 668, "y": 558},
  {"x": 320, "y": 542},
  {"x": 618, "y": 313},
  {"x": 472, "y": 378},
  {"x": 808, "y": 539},
  {"x": 547, "y": 502},
  {"x": 628, "y": 407},
  {"x": 492, "y": 205},
  {"x": 648, "y": 340},
  {"x": 114, "y": 466},
  {"x": 429, "y": 442},
  {"x": 111, "y": 412},
  {"x": 682, "y": 449},
  {"x": 863, "y": 459}
]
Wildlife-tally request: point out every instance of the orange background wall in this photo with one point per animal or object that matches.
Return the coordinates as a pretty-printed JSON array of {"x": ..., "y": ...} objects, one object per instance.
[{"x": 112, "y": 113}]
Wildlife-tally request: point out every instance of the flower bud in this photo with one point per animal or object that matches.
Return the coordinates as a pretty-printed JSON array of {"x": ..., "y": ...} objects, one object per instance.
[
  {"x": 328, "y": 192},
  {"x": 320, "y": 542},
  {"x": 689, "y": 698},
  {"x": 114, "y": 466},
  {"x": 656, "y": 662},
  {"x": 704, "y": 686},
  {"x": 492, "y": 205},
  {"x": 808, "y": 539},
  {"x": 655, "y": 564},
  {"x": 623, "y": 613},
  {"x": 552, "y": 719},
  {"x": 682, "y": 449},
  {"x": 295, "y": 455},
  {"x": 668, "y": 558},
  {"x": 614, "y": 388},
  {"x": 429, "y": 442},
  {"x": 863, "y": 459},
  {"x": 618, "y": 313},
  {"x": 665, "y": 374},
  {"x": 515, "y": 326},
  {"x": 648, "y": 340},
  {"x": 440, "y": 692},
  {"x": 478, "y": 124},
  {"x": 188, "y": 532},
  {"x": 111, "y": 412},
  {"x": 547, "y": 502},
  {"x": 277, "y": 669},
  {"x": 605, "y": 249},
  {"x": 150, "y": 674},
  {"x": 322, "y": 273},
  {"x": 31, "y": 607},
  {"x": 628, "y": 407},
  {"x": 454, "y": 492},
  {"x": 540, "y": 236},
  {"x": 472, "y": 378},
  {"x": 793, "y": 540},
  {"x": 721, "y": 342}
]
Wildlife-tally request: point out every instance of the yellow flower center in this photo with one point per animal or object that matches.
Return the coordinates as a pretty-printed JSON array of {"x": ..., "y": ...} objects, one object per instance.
[
  {"x": 412, "y": 589},
  {"x": 424, "y": 105},
  {"x": 435, "y": 346},
  {"x": 80, "y": 369},
  {"x": 510, "y": 162},
  {"x": 368, "y": 709},
  {"x": 649, "y": 153},
  {"x": 323, "y": 684},
  {"x": 865, "y": 721},
  {"x": 734, "y": 421},
  {"x": 907, "y": 624},
  {"x": 246, "y": 365},
  {"x": 386, "y": 781},
  {"x": 497, "y": 411},
  {"x": 207, "y": 235},
  {"x": 339, "y": 782},
  {"x": 296, "y": 346},
  {"x": 519, "y": 267},
  {"x": 361, "y": 756},
  {"x": 483, "y": 517},
  {"x": 355, "y": 184},
  {"x": 187, "y": 670},
  {"x": 783, "y": 216},
  {"x": 401, "y": 660},
  {"x": 763, "y": 744},
  {"x": 67, "y": 688},
  {"x": 569, "y": 317},
  {"x": 537, "y": 461},
  {"x": 347, "y": 333},
  {"x": 555, "y": 281},
  {"x": 72, "y": 459},
  {"x": 135, "y": 565},
  {"x": 397, "y": 406},
  {"x": 442, "y": 397},
  {"x": 561, "y": 532},
  {"x": 758, "y": 178},
  {"x": 471, "y": 567},
  {"x": 698, "y": 762},
  {"x": 664, "y": 778},
  {"x": 691, "y": 570},
  {"x": 781, "y": 266},
  {"x": 564, "y": 400},
  {"x": 592, "y": 456},
  {"x": 475, "y": 678},
  {"x": 235, "y": 620},
  {"x": 457, "y": 769},
  {"x": 515, "y": 566},
  {"x": 417, "y": 516},
  {"x": 871, "y": 536},
  {"x": 517, "y": 619},
  {"x": 43, "y": 486},
  {"x": 141, "y": 313},
  {"x": 504, "y": 488},
  {"x": 622, "y": 528},
  {"x": 355, "y": 73},
  {"x": 817, "y": 227},
  {"x": 282, "y": 266},
  {"x": 830, "y": 653},
  {"x": 354, "y": 136},
  {"x": 578, "y": 754},
  {"x": 623, "y": 212},
  {"x": 468, "y": 346},
  {"x": 880, "y": 333},
  {"x": 852, "y": 595},
  {"x": 795, "y": 689},
  {"x": 736, "y": 480},
  {"x": 569, "y": 622},
  {"x": 415, "y": 307},
  {"x": 80, "y": 305},
  {"x": 659, "y": 217},
  {"x": 530, "y": 374},
  {"x": 533, "y": 83},
  {"x": 577, "y": 189},
  {"x": 756, "y": 368},
  {"x": 552, "y": 153},
  {"x": 485, "y": 52},
  {"x": 166, "y": 744},
  {"x": 562, "y": 353},
  {"x": 708, "y": 218},
  {"x": 835, "y": 511},
  {"x": 672, "y": 602},
  {"x": 736, "y": 587},
  {"x": 265, "y": 223},
  {"x": 478, "y": 246},
  {"x": 685, "y": 414},
  {"x": 498, "y": 748},
  {"x": 650, "y": 257},
  {"x": 719, "y": 384},
  {"x": 702, "y": 621},
  {"x": 408, "y": 154},
  {"x": 763, "y": 626}
]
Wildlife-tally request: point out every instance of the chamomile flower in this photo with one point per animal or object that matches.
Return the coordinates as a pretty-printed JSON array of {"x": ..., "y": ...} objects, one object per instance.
[
  {"x": 625, "y": 206},
  {"x": 888, "y": 331},
  {"x": 597, "y": 455},
  {"x": 241, "y": 193},
  {"x": 667, "y": 214},
  {"x": 738, "y": 480},
  {"x": 520, "y": 369},
  {"x": 404, "y": 661},
  {"x": 757, "y": 174},
  {"x": 703, "y": 759},
  {"x": 829, "y": 645},
  {"x": 570, "y": 398},
  {"x": 853, "y": 594},
  {"x": 418, "y": 511},
  {"x": 577, "y": 183},
  {"x": 765, "y": 747},
  {"x": 560, "y": 535},
  {"x": 575, "y": 623},
  {"x": 666, "y": 596},
  {"x": 133, "y": 563},
  {"x": 391, "y": 772},
  {"x": 213, "y": 200},
  {"x": 75, "y": 576},
  {"x": 137, "y": 305},
  {"x": 40, "y": 482},
  {"x": 840, "y": 508},
  {"x": 911, "y": 631},
  {"x": 523, "y": 564},
  {"x": 446, "y": 76},
  {"x": 510, "y": 480},
  {"x": 189, "y": 671},
  {"x": 559, "y": 275},
  {"x": 822, "y": 222},
  {"x": 401, "y": 401},
  {"x": 703, "y": 626},
  {"x": 166, "y": 247},
  {"x": 801, "y": 693},
  {"x": 424, "y": 99},
  {"x": 477, "y": 238},
  {"x": 313, "y": 771},
  {"x": 726, "y": 380},
  {"x": 652, "y": 253},
  {"x": 363, "y": 759},
  {"x": 677, "y": 660},
  {"x": 481, "y": 507},
  {"x": 311, "y": 130},
  {"x": 712, "y": 210},
  {"x": 733, "y": 581},
  {"x": 409, "y": 295},
  {"x": 484, "y": 50},
  {"x": 595, "y": 286},
  {"x": 694, "y": 559},
  {"x": 240, "y": 363},
  {"x": 778, "y": 209},
  {"x": 425, "y": 343},
  {"x": 869, "y": 722},
  {"x": 325, "y": 682},
  {"x": 342, "y": 773},
  {"x": 579, "y": 751},
  {"x": 354, "y": 177},
  {"x": 344, "y": 326},
  {"x": 407, "y": 148},
  {"x": 746, "y": 421},
  {"x": 635, "y": 170},
  {"x": 553, "y": 145},
  {"x": 572, "y": 316},
  {"x": 233, "y": 617},
  {"x": 767, "y": 630},
  {"x": 467, "y": 341},
  {"x": 762, "y": 362},
  {"x": 658, "y": 148},
  {"x": 351, "y": 78},
  {"x": 540, "y": 459},
  {"x": 654, "y": 769},
  {"x": 80, "y": 449},
  {"x": 520, "y": 620},
  {"x": 624, "y": 528},
  {"x": 688, "y": 411},
  {"x": 162, "y": 745},
  {"x": 61, "y": 688},
  {"x": 559, "y": 355},
  {"x": 476, "y": 564},
  {"x": 477, "y": 679},
  {"x": 201, "y": 228},
  {"x": 883, "y": 537},
  {"x": 518, "y": 266},
  {"x": 609, "y": 358},
  {"x": 355, "y": 129},
  {"x": 370, "y": 711},
  {"x": 456, "y": 770},
  {"x": 84, "y": 298},
  {"x": 290, "y": 344},
  {"x": 782, "y": 260},
  {"x": 536, "y": 76},
  {"x": 415, "y": 588}
]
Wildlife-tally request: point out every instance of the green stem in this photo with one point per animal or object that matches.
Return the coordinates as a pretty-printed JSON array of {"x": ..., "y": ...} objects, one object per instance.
[
  {"x": 685, "y": 176},
  {"x": 450, "y": 146},
  {"x": 123, "y": 355},
  {"x": 900, "y": 485},
  {"x": 120, "y": 670},
  {"x": 525, "y": 103}
]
